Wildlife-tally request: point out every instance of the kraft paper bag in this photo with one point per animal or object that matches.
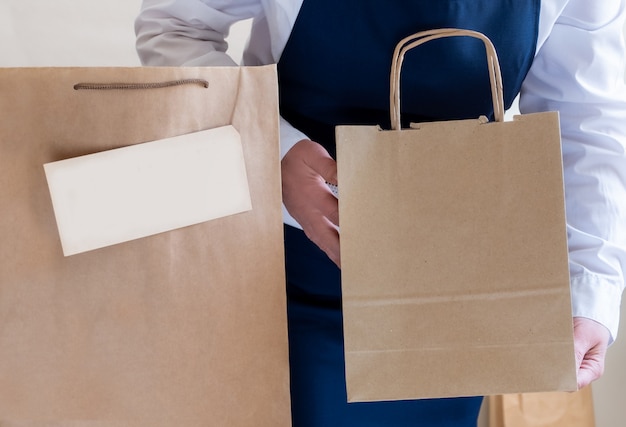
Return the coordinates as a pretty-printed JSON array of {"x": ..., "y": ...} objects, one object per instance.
[
  {"x": 453, "y": 253},
  {"x": 555, "y": 409},
  {"x": 183, "y": 324}
]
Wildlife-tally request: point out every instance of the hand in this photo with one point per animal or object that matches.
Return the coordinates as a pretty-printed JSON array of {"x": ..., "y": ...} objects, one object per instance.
[
  {"x": 591, "y": 341},
  {"x": 305, "y": 168}
]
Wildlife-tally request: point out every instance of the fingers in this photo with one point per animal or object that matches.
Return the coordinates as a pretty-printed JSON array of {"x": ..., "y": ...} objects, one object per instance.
[
  {"x": 590, "y": 346},
  {"x": 590, "y": 366},
  {"x": 305, "y": 168},
  {"x": 326, "y": 236},
  {"x": 329, "y": 207}
]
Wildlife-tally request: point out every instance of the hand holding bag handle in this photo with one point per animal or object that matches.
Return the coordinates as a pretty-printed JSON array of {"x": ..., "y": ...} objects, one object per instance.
[{"x": 417, "y": 39}]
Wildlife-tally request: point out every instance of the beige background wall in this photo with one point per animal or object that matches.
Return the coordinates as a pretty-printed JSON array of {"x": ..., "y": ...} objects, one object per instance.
[{"x": 100, "y": 33}]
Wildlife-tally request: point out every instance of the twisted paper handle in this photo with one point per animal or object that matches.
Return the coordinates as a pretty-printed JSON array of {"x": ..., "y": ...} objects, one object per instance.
[{"x": 412, "y": 41}]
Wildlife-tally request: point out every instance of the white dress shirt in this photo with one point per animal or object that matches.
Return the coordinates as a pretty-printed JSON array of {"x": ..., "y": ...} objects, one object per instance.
[{"x": 578, "y": 70}]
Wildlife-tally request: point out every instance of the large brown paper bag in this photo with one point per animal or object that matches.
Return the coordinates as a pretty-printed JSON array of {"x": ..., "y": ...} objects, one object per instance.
[
  {"x": 554, "y": 409},
  {"x": 453, "y": 253},
  {"x": 185, "y": 327}
]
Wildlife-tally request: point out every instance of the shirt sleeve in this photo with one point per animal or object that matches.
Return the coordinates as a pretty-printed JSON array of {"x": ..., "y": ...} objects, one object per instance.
[
  {"x": 189, "y": 32},
  {"x": 579, "y": 71},
  {"x": 192, "y": 33}
]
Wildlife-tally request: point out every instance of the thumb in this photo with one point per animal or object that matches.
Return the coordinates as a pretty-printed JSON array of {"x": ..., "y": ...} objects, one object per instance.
[{"x": 321, "y": 162}]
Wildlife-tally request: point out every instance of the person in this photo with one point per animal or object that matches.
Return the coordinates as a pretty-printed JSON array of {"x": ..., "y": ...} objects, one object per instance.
[{"x": 333, "y": 62}]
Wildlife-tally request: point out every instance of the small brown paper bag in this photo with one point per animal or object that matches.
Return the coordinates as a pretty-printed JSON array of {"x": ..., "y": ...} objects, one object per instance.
[
  {"x": 185, "y": 327},
  {"x": 555, "y": 409},
  {"x": 454, "y": 255}
]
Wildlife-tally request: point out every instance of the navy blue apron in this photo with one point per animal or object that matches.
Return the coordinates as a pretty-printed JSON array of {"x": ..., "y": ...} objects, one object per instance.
[{"x": 335, "y": 70}]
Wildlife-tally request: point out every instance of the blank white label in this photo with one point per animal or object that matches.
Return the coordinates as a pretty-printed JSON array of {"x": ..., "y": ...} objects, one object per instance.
[{"x": 128, "y": 193}]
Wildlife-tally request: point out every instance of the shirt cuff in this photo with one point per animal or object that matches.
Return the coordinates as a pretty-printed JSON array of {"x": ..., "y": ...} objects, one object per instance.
[
  {"x": 598, "y": 299},
  {"x": 289, "y": 136}
]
